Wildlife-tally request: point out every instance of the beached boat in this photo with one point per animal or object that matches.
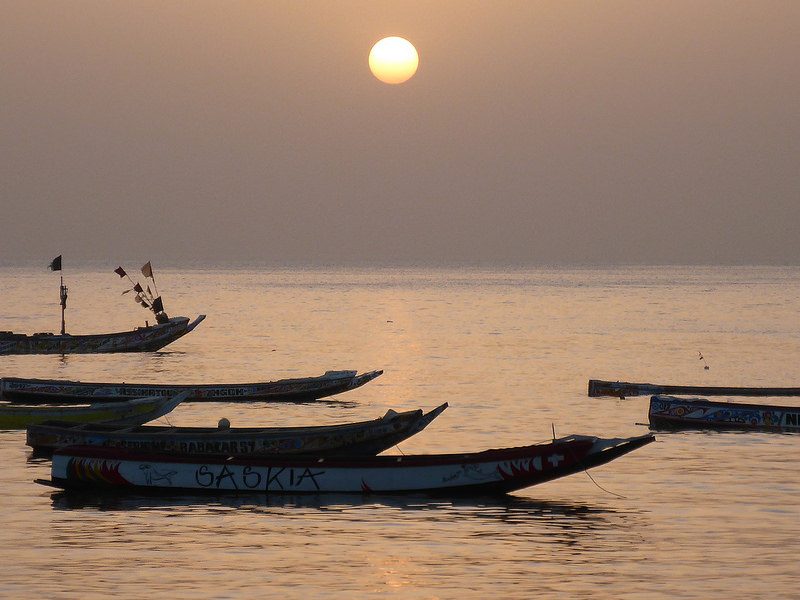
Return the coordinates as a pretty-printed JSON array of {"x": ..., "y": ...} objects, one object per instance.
[
  {"x": 669, "y": 412},
  {"x": 367, "y": 437},
  {"x": 53, "y": 391},
  {"x": 488, "y": 472},
  {"x": 622, "y": 389},
  {"x": 135, "y": 411},
  {"x": 142, "y": 339}
]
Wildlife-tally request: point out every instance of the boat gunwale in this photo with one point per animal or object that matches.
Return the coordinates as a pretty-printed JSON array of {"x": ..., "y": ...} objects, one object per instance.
[
  {"x": 621, "y": 389},
  {"x": 720, "y": 404},
  {"x": 351, "y": 375},
  {"x": 18, "y": 407},
  {"x": 234, "y": 432},
  {"x": 383, "y": 461},
  {"x": 178, "y": 322}
]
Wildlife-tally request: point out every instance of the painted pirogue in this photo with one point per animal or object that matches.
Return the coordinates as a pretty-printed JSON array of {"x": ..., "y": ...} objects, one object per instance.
[
  {"x": 488, "y": 472},
  {"x": 623, "y": 389},
  {"x": 55, "y": 391},
  {"x": 134, "y": 411},
  {"x": 366, "y": 437},
  {"x": 669, "y": 412},
  {"x": 142, "y": 339}
]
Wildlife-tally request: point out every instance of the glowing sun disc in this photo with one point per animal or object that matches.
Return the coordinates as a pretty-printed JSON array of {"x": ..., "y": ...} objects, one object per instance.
[{"x": 393, "y": 60}]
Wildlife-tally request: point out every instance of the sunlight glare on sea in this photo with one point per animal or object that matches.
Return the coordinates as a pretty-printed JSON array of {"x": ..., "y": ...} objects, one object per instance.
[{"x": 694, "y": 515}]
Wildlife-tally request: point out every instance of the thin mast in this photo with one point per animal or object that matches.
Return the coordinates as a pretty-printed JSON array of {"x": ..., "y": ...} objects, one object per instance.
[
  {"x": 55, "y": 265},
  {"x": 63, "y": 305}
]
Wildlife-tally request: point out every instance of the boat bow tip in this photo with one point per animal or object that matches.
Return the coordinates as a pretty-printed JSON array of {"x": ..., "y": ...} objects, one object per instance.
[
  {"x": 195, "y": 323},
  {"x": 603, "y": 444},
  {"x": 440, "y": 409}
]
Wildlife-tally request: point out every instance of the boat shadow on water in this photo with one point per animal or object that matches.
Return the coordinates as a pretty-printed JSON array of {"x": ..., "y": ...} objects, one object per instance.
[
  {"x": 573, "y": 526},
  {"x": 508, "y": 508},
  {"x": 722, "y": 431}
]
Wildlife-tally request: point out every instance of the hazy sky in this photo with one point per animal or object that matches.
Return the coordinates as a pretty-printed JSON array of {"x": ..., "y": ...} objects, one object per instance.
[{"x": 534, "y": 132}]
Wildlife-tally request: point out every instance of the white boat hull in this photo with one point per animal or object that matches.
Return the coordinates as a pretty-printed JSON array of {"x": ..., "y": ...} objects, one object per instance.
[{"x": 492, "y": 471}]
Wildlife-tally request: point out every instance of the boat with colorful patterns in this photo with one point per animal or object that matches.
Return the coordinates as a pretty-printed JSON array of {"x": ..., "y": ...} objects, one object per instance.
[
  {"x": 56, "y": 391},
  {"x": 134, "y": 411},
  {"x": 669, "y": 412},
  {"x": 366, "y": 437},
  {"x": 142, "y": 339},
  {"x": 489, "y": 472}
]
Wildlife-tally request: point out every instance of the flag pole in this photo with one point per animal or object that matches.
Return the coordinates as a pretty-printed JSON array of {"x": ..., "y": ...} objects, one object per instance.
[
  {"x": 63, "y": 305},
  {"x": 56, "y": 265},
  {"x": 148, "y": 297},
  {"x": 155, "y": 303},
  {"x": 153, "y": 277},
  {"x": 142, "y": 297}
]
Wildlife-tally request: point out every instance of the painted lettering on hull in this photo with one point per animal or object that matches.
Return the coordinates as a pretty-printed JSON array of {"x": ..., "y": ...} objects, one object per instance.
[
  {"x": 792, "y": 419},
  {"x": 274, "y": 479}
]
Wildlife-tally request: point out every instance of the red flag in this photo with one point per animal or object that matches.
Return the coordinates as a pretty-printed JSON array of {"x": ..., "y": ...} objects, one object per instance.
[{"x": 147, "y": 270}]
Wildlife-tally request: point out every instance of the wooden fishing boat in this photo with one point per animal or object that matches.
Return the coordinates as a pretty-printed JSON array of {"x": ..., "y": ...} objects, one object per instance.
[
  {"x": 35, "y": 391},
  {"x": 367, "y": 437},
  {"x": 488, "y": 472},
  {"x": 135, "y": 411},
  {"x": 622, "y": 389},
  {"x": 669, "y": 412},
  {"x": 142, "y": 339}
]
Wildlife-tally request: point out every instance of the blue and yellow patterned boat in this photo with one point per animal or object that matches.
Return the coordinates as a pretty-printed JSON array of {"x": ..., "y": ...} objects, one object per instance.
[{"x": 670, "y": 412}]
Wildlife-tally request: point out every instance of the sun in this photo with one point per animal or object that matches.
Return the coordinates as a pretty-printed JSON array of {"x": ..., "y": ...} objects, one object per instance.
[{"x": 393, "y": 60}]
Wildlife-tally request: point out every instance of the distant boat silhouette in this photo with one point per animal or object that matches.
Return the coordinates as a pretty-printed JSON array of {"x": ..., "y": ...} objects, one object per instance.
[{"x": 142, "y": 339}]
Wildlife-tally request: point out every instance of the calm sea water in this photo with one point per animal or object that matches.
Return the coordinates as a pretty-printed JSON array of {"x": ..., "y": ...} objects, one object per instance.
[{"x": 695, "y": 515}]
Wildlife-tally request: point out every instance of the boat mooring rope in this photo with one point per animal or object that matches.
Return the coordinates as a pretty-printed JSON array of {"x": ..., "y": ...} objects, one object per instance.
[{"x": 589, "y": 475}]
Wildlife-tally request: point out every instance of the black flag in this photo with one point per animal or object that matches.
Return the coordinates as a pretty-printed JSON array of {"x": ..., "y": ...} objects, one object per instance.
[
  {"x": 56, "y": 264},
  {"x": 157, "y": 305},
  {"x": 138, "y": 288},
  {"x": 120, "y": 271}
]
